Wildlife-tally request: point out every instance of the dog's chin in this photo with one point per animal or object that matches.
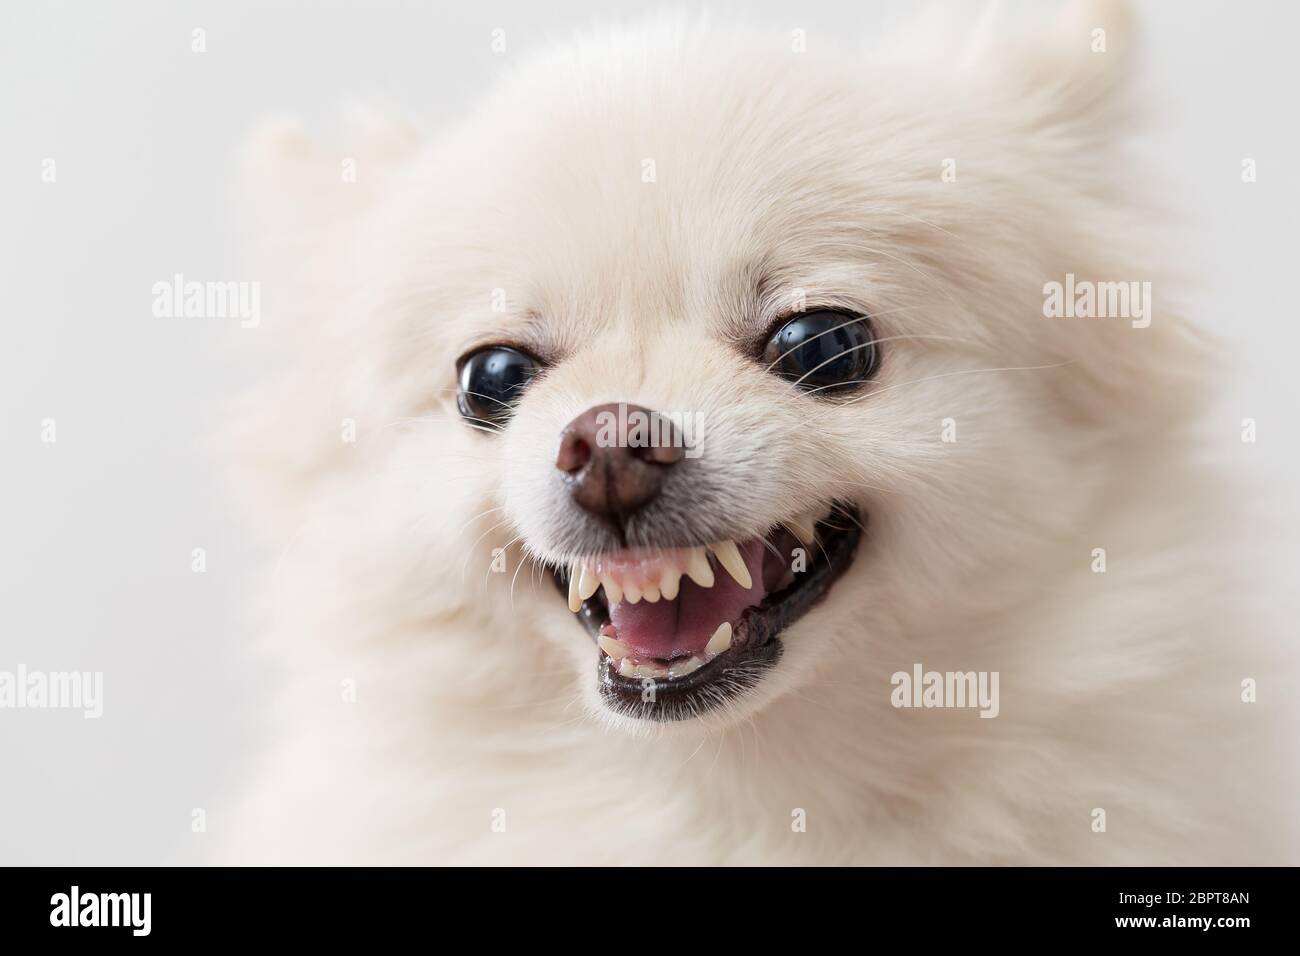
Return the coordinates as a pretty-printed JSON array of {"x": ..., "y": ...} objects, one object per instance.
[{"x": 698, "y": 633}]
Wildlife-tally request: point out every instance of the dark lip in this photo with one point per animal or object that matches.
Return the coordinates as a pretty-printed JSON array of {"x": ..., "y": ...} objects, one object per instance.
[{"x": 756, "y": 647}]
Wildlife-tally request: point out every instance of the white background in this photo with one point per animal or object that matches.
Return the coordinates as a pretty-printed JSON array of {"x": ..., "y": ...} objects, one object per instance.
[{"x": 96, "y": 531}]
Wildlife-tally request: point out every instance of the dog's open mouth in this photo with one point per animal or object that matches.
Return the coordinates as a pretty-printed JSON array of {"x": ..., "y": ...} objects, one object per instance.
[{"x": 683, "y": 630}]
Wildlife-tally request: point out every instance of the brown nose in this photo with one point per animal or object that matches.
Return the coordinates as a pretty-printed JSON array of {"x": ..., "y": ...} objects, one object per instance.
[{"x": 616, "y": 457}]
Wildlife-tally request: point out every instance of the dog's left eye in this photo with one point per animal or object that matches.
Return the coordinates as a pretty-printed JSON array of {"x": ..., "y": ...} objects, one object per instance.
[
  {"x": 823, "y": 351},
  {"x": 491, "y": 381}
]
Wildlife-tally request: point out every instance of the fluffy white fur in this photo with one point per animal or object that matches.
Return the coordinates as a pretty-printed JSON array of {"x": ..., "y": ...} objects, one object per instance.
[{"x": 775, "y": 171}]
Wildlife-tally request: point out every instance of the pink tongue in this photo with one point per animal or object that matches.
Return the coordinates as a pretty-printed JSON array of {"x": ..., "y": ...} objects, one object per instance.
[{"x": 679, "y": 628}]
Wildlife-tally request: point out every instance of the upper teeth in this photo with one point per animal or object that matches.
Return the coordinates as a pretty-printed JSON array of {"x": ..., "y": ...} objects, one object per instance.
[
  {"x": 661, "y": 580},
  {"x": 587, "y": 583},
  {"x": 729, "y": 557},
  {"x": 697, "y": 568},
  {"x": 661, "y": 577},
  {"x": 804, "y": 528},
  {"x": 575, "y": 600}
]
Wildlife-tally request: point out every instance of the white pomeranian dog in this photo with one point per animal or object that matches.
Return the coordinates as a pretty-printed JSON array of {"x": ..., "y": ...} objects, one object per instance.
[{"x": 716, "y": 451}]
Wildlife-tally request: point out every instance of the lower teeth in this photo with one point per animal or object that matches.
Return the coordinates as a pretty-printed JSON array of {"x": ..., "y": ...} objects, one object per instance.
[
  {"x": 682, "y": 668},
  {"x": 621, "y": 654},
  {"x": 678, "y": 668}
]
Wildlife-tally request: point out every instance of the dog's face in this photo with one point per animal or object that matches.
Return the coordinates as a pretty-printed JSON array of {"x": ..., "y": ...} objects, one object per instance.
[{"x": 741, "y": 350}]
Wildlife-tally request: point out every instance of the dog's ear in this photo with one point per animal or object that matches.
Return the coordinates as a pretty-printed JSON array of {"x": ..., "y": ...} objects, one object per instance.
[
  {"x": 304, "y": 201},
  {"x": 296, "y": 180},
  {"x": 1073, "y": 73},
  {"x": 305, "y": 205},
  {"x": 1073, "y": 83}
]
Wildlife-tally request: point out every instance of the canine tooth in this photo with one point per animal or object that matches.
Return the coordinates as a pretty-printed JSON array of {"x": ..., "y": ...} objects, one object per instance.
[
  {"x": 720, "y": 641},
  {"x": 804, "y": 528},
  {"x": 681, "y": 668},
  {"x": 729, "y": 557},
  {"x": 612, "y": 646},
  {"x": 575, "y": 599},
  {"x": 669, "y": 583},
  {"x": 651, "y": 593},
  {"x": 697, "y": 568},
  {"x": 613, "y": 593},
  {"x": 587, "y": 583},
  {"x": 631, "y": 594}
]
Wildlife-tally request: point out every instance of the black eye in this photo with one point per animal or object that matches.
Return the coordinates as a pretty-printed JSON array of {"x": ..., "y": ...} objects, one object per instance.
[
  {"x": 823, "y": 351},
  {"x": 491, "y": 381}
]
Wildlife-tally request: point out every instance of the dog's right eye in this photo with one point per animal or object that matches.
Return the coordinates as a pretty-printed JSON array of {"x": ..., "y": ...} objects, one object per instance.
[{"x": 490, "y": 383}]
